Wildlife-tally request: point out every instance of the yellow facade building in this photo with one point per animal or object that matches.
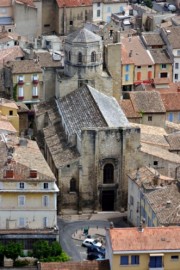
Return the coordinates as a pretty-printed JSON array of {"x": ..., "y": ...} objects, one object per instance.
[
  {"x": 144, "y": 248},
  {"x": 9, "y": 109}
]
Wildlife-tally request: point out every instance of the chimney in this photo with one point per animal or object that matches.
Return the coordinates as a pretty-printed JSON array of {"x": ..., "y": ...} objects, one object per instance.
[
  {"x": 178, "y": 89},
  {"x": 140, "y": 228},
  {"x": 9, "y": 173},
  {"x": 130, "y": 53},
  {"x": 168, "y": 204},
  {"x": 33, "y": 174}
]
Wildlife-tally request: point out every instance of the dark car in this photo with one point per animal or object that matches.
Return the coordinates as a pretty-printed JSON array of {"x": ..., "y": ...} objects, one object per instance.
[
  {"x": 94, "y": 256},
  {"x": 98, "y": 250}
]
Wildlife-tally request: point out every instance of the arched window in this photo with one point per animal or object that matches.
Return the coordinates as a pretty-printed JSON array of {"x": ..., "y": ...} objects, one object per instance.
[
  {"x": 69, "y": 56},
  {"x": 93, "y": 57},
  {"x": 79, "y": 57},
  {"x": 108, "y": 176},
  {"x": 73, "y": 185}
]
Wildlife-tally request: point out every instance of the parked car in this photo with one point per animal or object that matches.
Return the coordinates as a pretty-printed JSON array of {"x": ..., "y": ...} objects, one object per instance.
[
  {"x": 170, "y": 7},
  {"x": 99, "y": 250},
  {"x": 94, "y": 256},
  {"x": 88, "y": 242}
]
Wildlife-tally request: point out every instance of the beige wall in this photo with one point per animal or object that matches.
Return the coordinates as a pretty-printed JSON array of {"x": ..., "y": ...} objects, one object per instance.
[
  {"x": 77, "y": 15},
  {"x": 158, "y": 70},
  {"x": 157, "y": 119}
]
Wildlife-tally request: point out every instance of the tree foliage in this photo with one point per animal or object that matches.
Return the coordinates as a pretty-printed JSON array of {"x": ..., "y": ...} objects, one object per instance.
[{"x": 13, "y": 250}]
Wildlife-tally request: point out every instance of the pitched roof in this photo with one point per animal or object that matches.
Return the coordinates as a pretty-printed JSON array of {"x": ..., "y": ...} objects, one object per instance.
[
  {"x": 54, "y": 135},
  {"x": 87, "y": 107},
  {"x": 8, "y": 103},
  {"x": 73, "y": 3},
  {"x": 160, "y": 153},
  {"x": 26, "y": 2},
  {"x": 153, "y": 135},
  {"x": 83, "y": 265},
  {"x": 152, "y": 39},
  {"x": 160, "y": 57},
  {"x": 125, "y": 57},
  {"x": 171, "y": 101},
  {"x": 26, "y": 156},
  {"x": 147, "y": 102},
  {"x": 7, "y": 126},
  {"x": 82, "y": 35},
  {"x": 148, "y": 240},
  {"x": 128, "y": 109},
  {"x": 25, "y": 66},
  {"x": 5, "y": 3},
  {"x": 135, "y": 48},
  {"x": 174, "y": 141},
  {"x": 46, "y": 60},
  {"x": 165, "y": 204},
  {"x": 10, "y": 54},
  {"x": 146, "y": 177},
  {"x": 173, "y": 35}
]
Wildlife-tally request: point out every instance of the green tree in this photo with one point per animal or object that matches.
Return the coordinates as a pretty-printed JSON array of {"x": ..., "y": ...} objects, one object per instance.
[
  {"x": 41, "y": 249},
  {"x": 148, "y": 3},
  {"x": 13, "y": 250},
  {"x": 56, "y": 249},
  {"x": 1, "y": 254}
]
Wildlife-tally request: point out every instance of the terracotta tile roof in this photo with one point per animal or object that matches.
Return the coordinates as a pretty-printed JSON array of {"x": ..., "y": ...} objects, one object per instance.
[
  {"x": 139, "y": 54},
  {"x": 125, "y": 58},
  {"x": 73, "y": 3},
  {"x": 25, "y": 66},
  {"x": 128, "y": 109},
  {"x": 174, "y": 141},
  {"x": 160, "y": 57},
  {"x": 8, "y": 103},
  {"x": 171, "y": 101},
  {"x": 83, "y": 265},
  {"x": 165, "y": 204},
  {"x": 173, "y": 35},
  {"x": 146, "y": 176},
  {"x": 7, "y": 126},
  {"x": 153, "y": 135},
  {"x": 149, "y": 240},
  {"x": 5, "y": 3},
  {"x": 26, "y": 157},
  {"x": 10, "y": 54},
  {"x": 152, "y": 39},
  {"x": 147, "y": 102},
  {"x": 160, "y": 153},
  {"x": 26, "y": 2},
  {"x": 46, "y": 60}
]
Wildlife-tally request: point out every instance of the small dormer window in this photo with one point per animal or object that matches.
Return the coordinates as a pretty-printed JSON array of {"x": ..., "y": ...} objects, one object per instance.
[
  {"x": 21, "y": 185},
  {"x": 46, "y": 185}
]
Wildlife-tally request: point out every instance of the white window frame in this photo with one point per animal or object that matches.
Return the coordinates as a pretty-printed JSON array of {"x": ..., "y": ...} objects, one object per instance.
[
  {"x": 45, "y": 201},
  {"x": 35, "y": 91},
  {"x": 20, "y": 92},
  {"x": 20, "y": 78},
  {"x": 21, "y": 200}
]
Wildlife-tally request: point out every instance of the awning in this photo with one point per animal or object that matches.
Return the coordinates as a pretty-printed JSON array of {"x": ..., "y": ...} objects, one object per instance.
[{"x": 156, "y": 254}]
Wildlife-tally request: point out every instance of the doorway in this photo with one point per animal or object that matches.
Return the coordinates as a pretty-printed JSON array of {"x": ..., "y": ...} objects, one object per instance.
[{"x": 108, "y": 200}]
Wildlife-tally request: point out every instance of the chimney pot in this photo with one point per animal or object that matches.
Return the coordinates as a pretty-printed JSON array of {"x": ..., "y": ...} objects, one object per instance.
[{"x": 33, "y": 173}]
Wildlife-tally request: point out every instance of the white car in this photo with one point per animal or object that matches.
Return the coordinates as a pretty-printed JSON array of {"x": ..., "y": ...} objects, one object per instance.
[{"x": 88, "y": 242}]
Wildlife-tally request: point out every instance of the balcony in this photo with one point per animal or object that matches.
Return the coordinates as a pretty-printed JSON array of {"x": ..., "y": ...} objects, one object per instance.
[
  {"x": 20, "y": 98},
  {"x": 156, "y": 268},
  {"x": 20, "y": 82},
  {"x": 35, "y": 80}
]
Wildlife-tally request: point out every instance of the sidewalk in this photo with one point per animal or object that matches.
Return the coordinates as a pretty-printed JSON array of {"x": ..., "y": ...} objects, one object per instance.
[{"x": 93, "y": 232}]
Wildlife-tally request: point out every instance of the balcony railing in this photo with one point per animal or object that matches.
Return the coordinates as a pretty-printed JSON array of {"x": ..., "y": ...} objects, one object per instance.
[{"x": 20, "y": 82}]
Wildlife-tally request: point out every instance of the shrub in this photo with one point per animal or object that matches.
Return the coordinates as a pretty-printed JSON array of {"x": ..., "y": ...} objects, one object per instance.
[
  {"x": 56, "y": 249},
  {"x": 13, "y": 250},
  {"x": 20, "y": 263},
  {"x": 41, "y": 249}
]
